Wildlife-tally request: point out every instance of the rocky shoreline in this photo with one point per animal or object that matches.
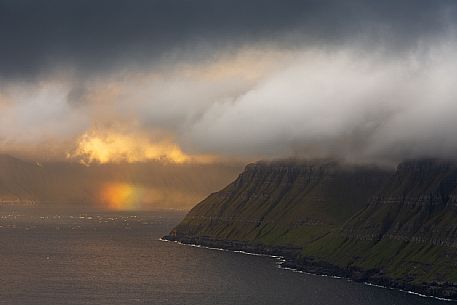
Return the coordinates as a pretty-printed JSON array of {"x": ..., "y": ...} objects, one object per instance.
[{"x": 292, "y": 259}]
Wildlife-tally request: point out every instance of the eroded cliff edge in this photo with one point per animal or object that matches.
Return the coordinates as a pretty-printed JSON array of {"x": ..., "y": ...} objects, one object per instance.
[{"x": 393, "y": 228}]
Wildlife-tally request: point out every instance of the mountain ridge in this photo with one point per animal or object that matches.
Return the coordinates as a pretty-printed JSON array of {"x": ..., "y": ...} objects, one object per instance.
[{"x": 395, "y": 228}]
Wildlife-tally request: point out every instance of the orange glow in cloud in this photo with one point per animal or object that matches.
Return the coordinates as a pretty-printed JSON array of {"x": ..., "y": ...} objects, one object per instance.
[{"x": 105, "y": 147}]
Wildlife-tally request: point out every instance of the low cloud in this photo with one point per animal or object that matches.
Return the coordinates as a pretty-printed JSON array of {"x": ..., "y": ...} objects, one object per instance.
[
  {"x": 359, "y": 80},
  {"x": 346, "y": 104}
]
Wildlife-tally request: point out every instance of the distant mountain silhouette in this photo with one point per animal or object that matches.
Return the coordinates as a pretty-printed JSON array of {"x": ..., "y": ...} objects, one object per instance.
[{"x": 160, "y": 185}]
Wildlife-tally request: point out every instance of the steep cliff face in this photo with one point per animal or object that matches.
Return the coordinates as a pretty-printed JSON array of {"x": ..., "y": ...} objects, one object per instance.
[
  {"x": 392, "y": 228},
  {"x": 407, "y": 232},
  {"x": 415, "y": 204},
  {"x": 285, "y": 203}
]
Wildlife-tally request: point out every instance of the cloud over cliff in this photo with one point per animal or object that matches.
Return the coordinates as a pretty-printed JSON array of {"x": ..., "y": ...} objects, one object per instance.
[{"x": 359, "y": 80}]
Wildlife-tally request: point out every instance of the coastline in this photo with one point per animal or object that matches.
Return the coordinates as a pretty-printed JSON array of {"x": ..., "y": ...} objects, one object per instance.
[{"x": 290, "y": 259}]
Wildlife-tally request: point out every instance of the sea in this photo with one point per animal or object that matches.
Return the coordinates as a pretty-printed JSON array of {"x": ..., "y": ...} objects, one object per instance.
[{"x": 84, "y": 256}]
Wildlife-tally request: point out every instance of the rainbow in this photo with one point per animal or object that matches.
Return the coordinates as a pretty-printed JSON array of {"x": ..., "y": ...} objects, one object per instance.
[{"x": 121, "y": 196}]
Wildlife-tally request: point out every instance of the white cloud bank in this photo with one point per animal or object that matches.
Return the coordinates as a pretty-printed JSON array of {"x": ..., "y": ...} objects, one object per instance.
[{"x": 351, "y": 104}]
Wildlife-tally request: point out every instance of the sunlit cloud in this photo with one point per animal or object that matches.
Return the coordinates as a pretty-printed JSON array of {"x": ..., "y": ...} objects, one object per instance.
[
  {"x": 110, "y": 146},
  {"x": 256, "y": 103},
  {"x": 359, "y": 80}
]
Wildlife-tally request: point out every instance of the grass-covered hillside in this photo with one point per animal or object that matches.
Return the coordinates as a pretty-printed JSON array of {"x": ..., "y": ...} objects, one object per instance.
[
  {"x": 284, "y": 203},
  {"x": 397, "y": 228}
]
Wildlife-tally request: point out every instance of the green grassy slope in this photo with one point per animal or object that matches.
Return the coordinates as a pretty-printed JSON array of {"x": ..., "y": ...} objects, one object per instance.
[
  {"x": 408, "y": 231},
  {"x": 395, "y": 228},
  {"x": 284, "y": 203}
]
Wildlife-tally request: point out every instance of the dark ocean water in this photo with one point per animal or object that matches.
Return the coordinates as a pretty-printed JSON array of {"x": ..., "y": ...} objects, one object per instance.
[{"x": 70, "y": 257}]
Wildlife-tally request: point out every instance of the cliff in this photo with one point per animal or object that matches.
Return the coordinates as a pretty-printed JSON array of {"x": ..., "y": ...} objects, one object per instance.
[{"x": 392, "y": 228}]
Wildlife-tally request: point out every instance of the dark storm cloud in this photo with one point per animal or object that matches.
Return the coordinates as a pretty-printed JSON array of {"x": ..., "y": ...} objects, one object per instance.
[
  {"x": 359, "y": 80},
  {"x": 38, "y": 36}
]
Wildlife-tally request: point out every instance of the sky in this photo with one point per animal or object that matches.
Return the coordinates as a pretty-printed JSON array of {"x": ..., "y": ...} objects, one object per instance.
[{"x": 207, "y": 80}]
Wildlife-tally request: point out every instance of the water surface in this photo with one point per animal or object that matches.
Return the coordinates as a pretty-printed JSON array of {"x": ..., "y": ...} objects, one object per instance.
[{"x": 82, "y": 257}]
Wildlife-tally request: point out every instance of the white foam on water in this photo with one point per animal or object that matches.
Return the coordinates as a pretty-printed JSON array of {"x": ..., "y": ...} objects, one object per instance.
[{"x": 281, "y": 259}]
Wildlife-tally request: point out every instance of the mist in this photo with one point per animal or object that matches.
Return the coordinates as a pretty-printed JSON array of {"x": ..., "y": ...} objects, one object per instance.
[{"x": 346, "y": 104}]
